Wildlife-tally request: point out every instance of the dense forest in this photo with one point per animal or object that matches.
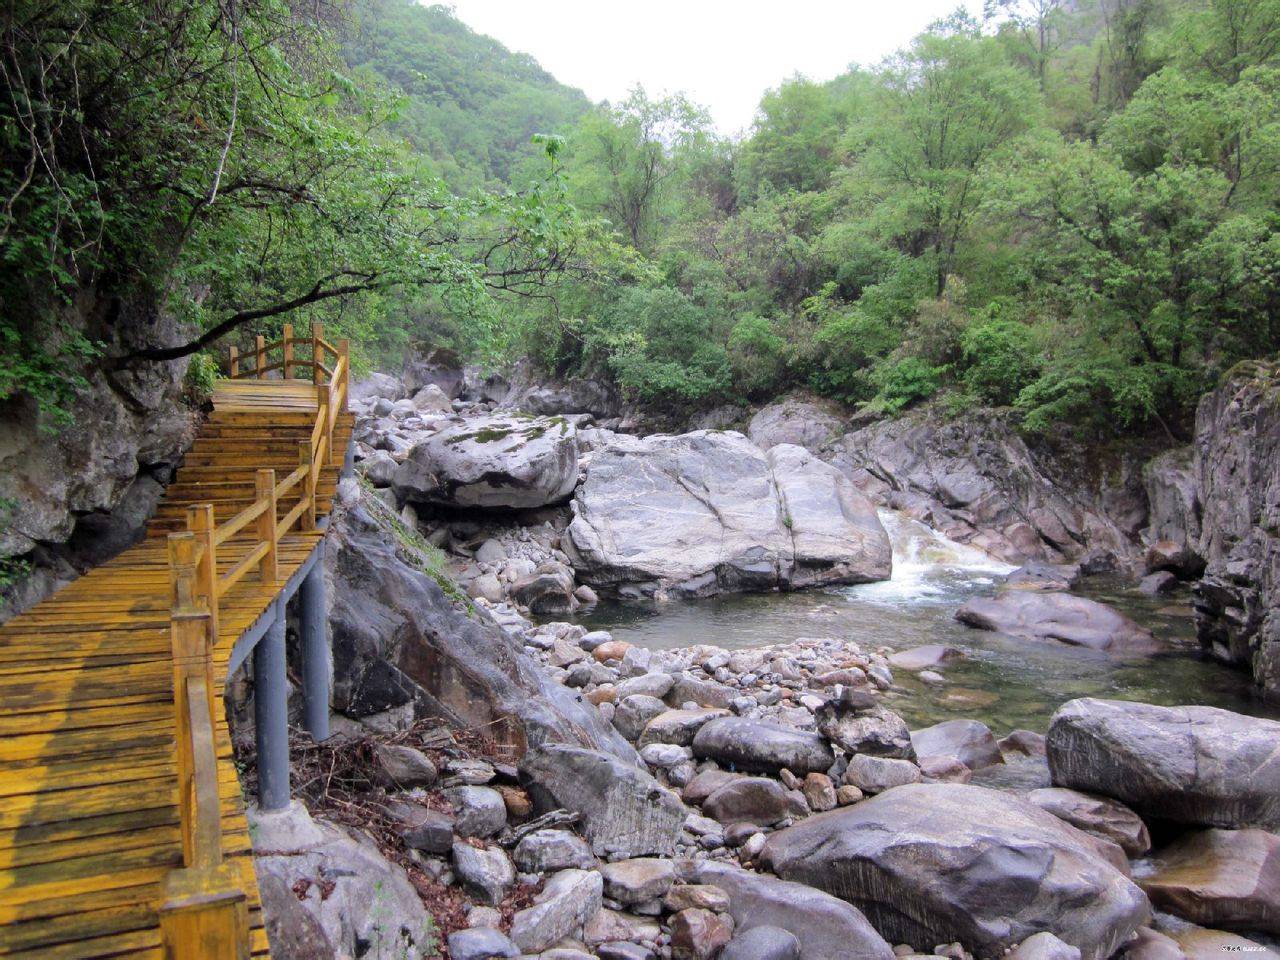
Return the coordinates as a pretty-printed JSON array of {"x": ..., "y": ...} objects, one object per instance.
[{"x": 1070, "y": 209}]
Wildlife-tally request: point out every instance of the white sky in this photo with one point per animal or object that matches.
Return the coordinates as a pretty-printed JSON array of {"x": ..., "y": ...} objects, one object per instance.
[{"x": 722, "y": 53}]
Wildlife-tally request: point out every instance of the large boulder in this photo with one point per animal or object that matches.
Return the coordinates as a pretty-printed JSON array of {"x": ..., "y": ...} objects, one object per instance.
[
  {"x": 794, "y": 420},
  {"x": 827, "y": 928},
  {"x": 760, "y": 746},
  {"x": 1238, "y": 471},
  {"x": 400, "y": 641},
  {"x": 1100, "y": 816},
  {"x": 504, "y": 461},
  {"x": 936, "y": 863},
  {"x": 707, "y": 512},
  {"x": 873, "y": 730},
  {"x": 376, "y": 385},
  {"x": 1192, "y": 765},
  {"x": 595, "y": 397},
  {"x": 969, "y": 741},
  {"x": 758, "y": 800},
  {"x": 1219, "y": 878},
  {"x": 568, "y": 901},
  {"x": 623, "y": 811},
  {"x": 836, "y": 536},
  {"x": 329, "y": 893},
  {"x": 1051, "y": 615},
  {"x": 438, "y": 366}
]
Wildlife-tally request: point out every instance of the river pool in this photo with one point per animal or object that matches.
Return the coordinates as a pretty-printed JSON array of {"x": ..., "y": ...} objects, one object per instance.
[{"x": 1005, "y": 682}]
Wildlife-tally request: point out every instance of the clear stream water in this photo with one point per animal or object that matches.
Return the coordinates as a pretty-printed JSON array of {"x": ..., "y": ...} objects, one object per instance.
[{"x": 1007, "y": 683}]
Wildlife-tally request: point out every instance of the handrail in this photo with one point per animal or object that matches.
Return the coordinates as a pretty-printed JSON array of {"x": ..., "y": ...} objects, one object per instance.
[
  {"x": 310, "y": 355},
  {"x": 237, "y": 523},
  {"x": 205, "y": 885}
]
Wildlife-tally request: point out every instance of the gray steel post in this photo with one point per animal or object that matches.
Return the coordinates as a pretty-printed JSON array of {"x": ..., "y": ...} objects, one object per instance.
[
  {"x": 315, "y": 648},
  {"x": 271, "y": 715}
]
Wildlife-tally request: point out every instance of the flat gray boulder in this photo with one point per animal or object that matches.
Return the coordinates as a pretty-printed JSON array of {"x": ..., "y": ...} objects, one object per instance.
[
  {"x": 505, "y": 461},
  {"x": 1192, "y": 765},
  {"x": 568, "y": 901},
  {"x": 624, "y": 811},
  {"x": 761, "y": 747},
  {"x": 709, "y": 512},
  {"x": 1062, "y": 617},
  {"x": 836, "y": 535},
  {"x": 827, "y": 928},
  {"x": 943, "y": 862}
]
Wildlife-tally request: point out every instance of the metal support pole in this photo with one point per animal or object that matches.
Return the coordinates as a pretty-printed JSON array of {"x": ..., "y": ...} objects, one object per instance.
[
  {"x": 271, "y": 715},
  {"x": 315, "y": 648}
]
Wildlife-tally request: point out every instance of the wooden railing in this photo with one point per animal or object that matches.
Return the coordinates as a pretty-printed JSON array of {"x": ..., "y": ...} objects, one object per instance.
[{"x": 204, "y": 902}]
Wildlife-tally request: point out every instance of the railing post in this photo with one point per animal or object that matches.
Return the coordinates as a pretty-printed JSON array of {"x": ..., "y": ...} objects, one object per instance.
[
  {"x": 200, "y": 523},
  {"x": 260, "y": 345},
  {"x": 326, "y": 411},
  {"x": 189, "y": 642},
  {"x": 317, "y": 351},
  {"x": 306, "y": 454},
  {"x": 235, "y": 362},
  {"x": 205, "y": 915},
  {"x": 287, "y": 340},
  {"x": 344, "y": 351},
  {"x": 265, "y": 484}
]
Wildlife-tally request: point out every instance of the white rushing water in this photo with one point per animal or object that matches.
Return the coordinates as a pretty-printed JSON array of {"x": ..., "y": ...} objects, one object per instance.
[{"x": 927, "y": 564}]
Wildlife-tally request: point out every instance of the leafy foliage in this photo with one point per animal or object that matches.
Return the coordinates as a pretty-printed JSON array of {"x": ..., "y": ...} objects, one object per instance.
[
  {"x": 218, "y": 162},
  {"x": 1067, "y": 209}
]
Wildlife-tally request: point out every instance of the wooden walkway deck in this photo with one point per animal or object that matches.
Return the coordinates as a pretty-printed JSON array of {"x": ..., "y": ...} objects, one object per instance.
[{"x": 90, "y": 821}]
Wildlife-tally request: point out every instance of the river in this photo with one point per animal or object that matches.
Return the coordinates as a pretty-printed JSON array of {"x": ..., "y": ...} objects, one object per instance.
[{"x": 1007, "y": 683}]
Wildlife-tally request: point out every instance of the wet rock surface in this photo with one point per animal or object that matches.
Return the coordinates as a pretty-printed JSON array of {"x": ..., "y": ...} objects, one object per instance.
[
  {"x": 1051, "y": 615},
  {"x": 933, "y": 863},
  {"x": 1189, "y": 765},
  {"x": 1228, "y": 879}
]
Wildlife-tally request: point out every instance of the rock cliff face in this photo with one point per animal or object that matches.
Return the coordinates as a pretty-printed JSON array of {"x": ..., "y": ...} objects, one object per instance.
[
  {"x": 973, "y": 478},
  {"x": 400, "y": 643},
  {"x": 80, "y": 491},
  {"x": 1237, "y": 459}
]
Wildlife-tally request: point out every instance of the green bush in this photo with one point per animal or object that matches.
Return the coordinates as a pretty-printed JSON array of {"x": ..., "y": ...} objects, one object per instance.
[
  {"x": 660, "y": 346},
  {"x": 202, "y": 374},
  {"x": 1000, "y": 360},
  {"x": 757, "y": 353},
  {"x": 904, "y": 382}
]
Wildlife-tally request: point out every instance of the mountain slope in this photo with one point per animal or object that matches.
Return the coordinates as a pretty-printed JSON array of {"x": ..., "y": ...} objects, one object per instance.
[{"x": 471, "y": 104}]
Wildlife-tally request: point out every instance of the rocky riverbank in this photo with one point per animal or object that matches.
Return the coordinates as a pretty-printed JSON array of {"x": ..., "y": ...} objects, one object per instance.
[
  {"x": 500, "y": 788},
  {"x": 553, "y": 507}
]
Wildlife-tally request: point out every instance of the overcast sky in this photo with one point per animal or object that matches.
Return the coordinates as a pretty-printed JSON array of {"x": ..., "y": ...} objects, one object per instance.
[{"x": 722, "y": 53}]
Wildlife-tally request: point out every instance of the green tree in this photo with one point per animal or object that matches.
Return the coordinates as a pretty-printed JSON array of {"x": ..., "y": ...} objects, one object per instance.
[
  {"x": 213, "y": 161},
  {"x": 626, "y": 160},
  {"x": 950, "y": 102}
]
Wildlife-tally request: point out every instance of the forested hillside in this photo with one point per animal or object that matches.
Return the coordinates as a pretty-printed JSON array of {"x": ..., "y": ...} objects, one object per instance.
[
  {"x": 469, "y": 104},
  {"x": 1066, "y": 208},
  {"x": 1069, "y": 208}
]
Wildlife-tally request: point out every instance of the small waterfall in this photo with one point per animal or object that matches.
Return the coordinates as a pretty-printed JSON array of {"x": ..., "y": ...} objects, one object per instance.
[{"x": 928, "y": 564}]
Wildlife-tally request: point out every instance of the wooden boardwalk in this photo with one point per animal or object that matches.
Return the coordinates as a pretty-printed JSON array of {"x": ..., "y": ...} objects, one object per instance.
[{"x": 91, "y": 823}]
